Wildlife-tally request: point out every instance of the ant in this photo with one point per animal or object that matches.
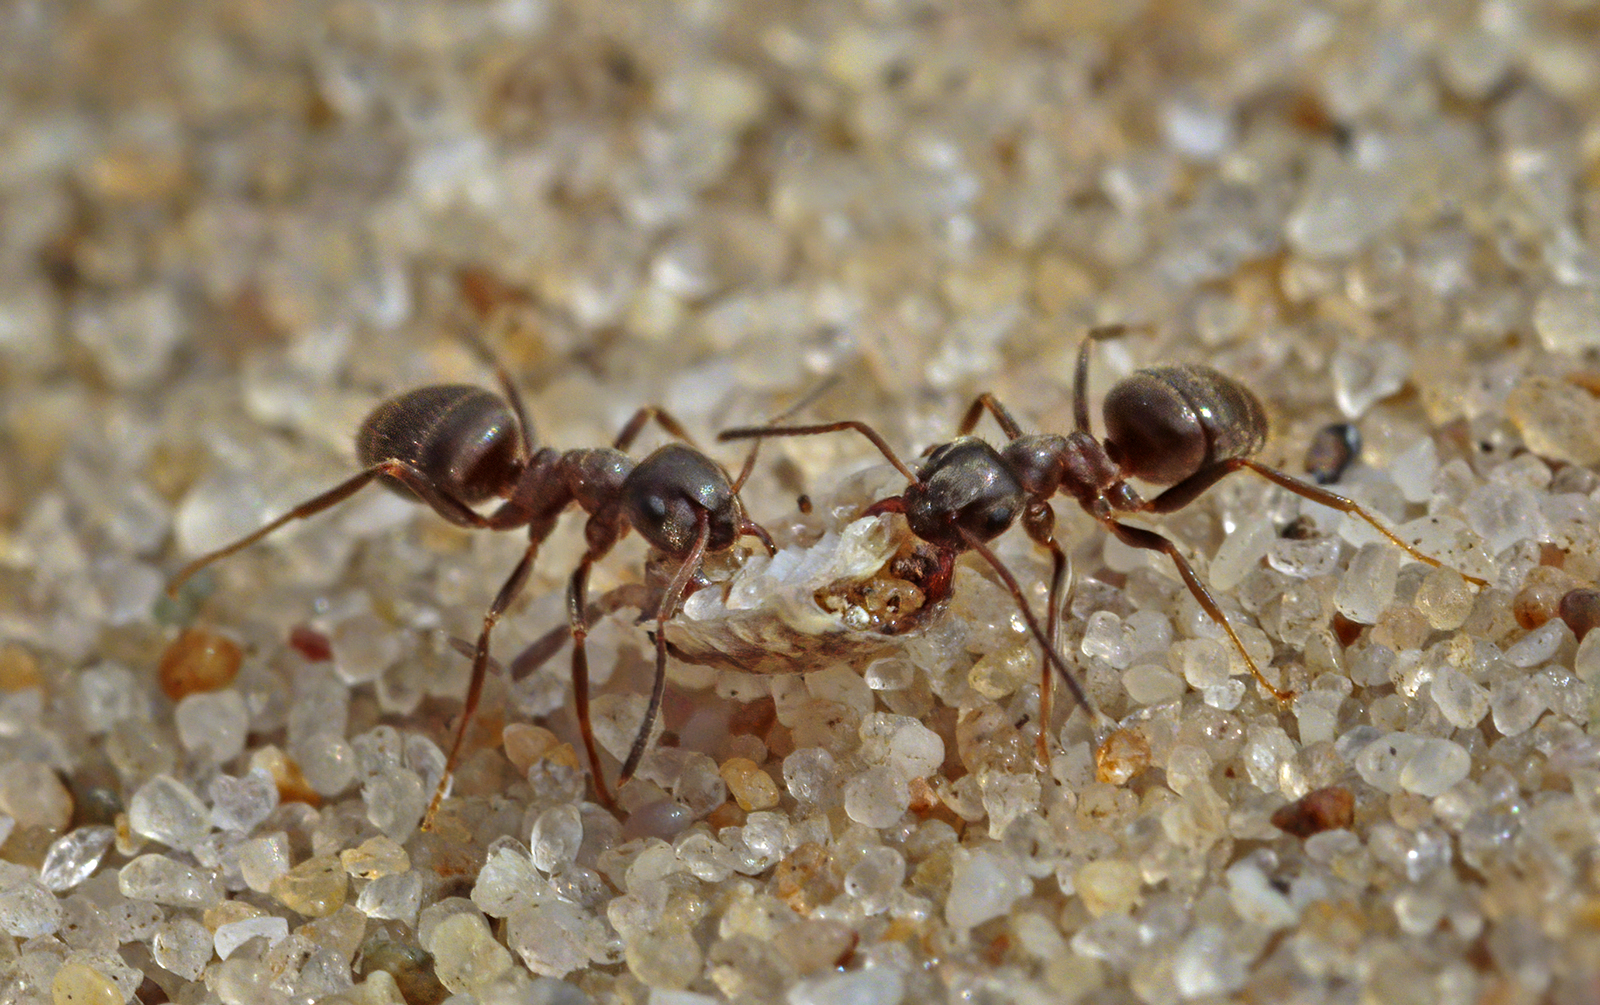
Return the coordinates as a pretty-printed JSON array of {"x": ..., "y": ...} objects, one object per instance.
[
  {"x": 1183, "y": 428},
  {"x": 454, "y": 446}
]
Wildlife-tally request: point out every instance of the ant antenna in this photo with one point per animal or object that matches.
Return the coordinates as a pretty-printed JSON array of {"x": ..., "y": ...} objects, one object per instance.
[{"x": 669, "y": 606}]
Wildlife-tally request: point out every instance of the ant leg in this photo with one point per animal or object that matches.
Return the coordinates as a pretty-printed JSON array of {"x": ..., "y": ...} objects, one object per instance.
[
  {"x": 1186, "y": 491},
  {"x": 540, "y": 650},
  {"x": 669, "y": 606},
  {"x": 1138, "y": 537},
  {"x": 441, "y": 502},
  {"x": 578, "y": 625},
  {"x": 1080, "y": 374},
  {"x": 1001, "y": 415},
  {"x": 636, "y": 425},
  {"x": 1038, "y": 520},
  {"x": 1343, "y": 505},
  {"x": 524, "y": 427},
  {"x": 1052, "y": 657},
  {"x": 480, "y": 671},
  {"x": 757, "y": 432}
]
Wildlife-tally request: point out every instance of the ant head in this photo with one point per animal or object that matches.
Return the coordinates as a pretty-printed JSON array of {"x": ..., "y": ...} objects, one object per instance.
[
  {"x": 966, "y": 485},
  {"x": 465, "y": 438},
  {"x": 663, "y": 496}
]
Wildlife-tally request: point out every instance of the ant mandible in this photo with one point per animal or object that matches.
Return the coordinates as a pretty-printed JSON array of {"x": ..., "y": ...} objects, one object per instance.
[
  {"x": 1183, "y": 427},
  {"x": 454, "y": 446}
]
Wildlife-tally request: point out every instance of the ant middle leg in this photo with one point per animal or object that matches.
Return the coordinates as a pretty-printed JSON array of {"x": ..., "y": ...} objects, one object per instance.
[
  {"x": 1002, "y": 416},
  {"x": 520, "y": 410},
  {"x": 539, "y": 652},
  {"x": 578, "y": 625},
  {"x": 1080, "y": 373},
  {"x": 509, "y": 591},
  {"x": 636, "y": 425},
  {"x": 1138, "y": 537}
]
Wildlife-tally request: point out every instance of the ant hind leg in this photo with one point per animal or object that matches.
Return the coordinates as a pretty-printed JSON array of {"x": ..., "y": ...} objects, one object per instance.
[
  {"x": 1138, "y": 537},
  {"x": 408, "y": 475}
]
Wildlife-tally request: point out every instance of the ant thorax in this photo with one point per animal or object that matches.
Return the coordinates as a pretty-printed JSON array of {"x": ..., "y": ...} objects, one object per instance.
[{"x": 1087, "y": 471}]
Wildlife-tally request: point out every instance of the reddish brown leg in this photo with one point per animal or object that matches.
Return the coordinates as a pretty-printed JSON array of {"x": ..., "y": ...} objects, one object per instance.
[
  {"x": 1001, "y": 415},
  {"x": 480, "y": 671},
  {"x": 524, "y": 427},
  {"x": 538, "y": 652},
  {"x": 1080, "y": 375},
  {"x": 1191, "y": 488},
  {"x": 758, "y": 532},
  {"x": 440, "y": 501},
  {"x": 1343, "y": 505},
  {"x": 1039, "y": 522},
  {"x": 1052, "y": 657},
  {"x": 578, "y": 624},
  {"x": 1138, "y": 537}
]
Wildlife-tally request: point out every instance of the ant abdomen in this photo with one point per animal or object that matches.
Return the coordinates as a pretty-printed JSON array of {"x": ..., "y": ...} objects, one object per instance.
[
  {"x": 1165, "y": 423},
  {"x": 465, "y": 436}
]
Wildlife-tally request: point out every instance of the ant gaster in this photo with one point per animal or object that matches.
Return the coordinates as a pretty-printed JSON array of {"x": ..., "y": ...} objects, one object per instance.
[
  {"x": 454, "y": 446},
  {"x": 1183, "y": 427}
]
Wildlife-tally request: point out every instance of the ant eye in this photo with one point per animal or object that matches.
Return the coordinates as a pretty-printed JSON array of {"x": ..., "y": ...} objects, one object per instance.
[{"x": 655, "y": 508}]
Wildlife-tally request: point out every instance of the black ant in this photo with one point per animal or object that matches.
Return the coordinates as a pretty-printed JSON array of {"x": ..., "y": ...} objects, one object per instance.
[
  {"x": 454, "y": 446},
  {"x": 1184, "y": 427}
]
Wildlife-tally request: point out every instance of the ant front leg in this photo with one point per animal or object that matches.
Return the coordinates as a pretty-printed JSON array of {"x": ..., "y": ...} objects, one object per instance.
[
  {"x": 1051, "y": 656},
  {"x": 538, "y": 652},
  {"x": 1138, "y": 537},
  {"x": 755, "y": 530}
]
